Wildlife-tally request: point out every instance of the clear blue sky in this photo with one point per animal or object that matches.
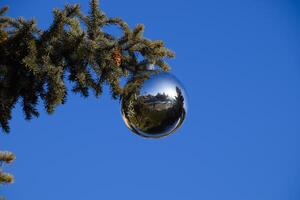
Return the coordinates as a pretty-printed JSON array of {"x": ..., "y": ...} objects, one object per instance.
[{"x": 240, "y": 63}]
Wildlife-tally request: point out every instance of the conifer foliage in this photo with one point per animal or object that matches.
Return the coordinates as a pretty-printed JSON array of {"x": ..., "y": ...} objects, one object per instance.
[
  {"x": 35, "y": 64},
  {"x": 5, "y": 158}
]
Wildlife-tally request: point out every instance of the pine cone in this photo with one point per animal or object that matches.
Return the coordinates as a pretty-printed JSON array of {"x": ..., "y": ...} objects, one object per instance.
[{"x": 117, "y": 56}]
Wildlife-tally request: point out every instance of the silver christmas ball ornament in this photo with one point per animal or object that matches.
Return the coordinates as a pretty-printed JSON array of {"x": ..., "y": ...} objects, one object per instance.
[{"x": 154, "y": 104}]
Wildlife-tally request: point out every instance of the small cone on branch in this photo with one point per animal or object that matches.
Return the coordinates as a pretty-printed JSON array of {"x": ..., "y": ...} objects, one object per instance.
[{"x": 117, "y": 56}]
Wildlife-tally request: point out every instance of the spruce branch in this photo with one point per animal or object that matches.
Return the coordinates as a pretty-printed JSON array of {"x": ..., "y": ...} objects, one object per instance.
[
  {"x": 35, "y": 64},
  {"x": 6, "y": 157},
  {"x": 6, "y": 178}
]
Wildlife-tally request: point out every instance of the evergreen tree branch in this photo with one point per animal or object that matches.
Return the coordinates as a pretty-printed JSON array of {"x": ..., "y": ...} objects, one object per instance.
[
  {"x": 6, "y": 157},
  {"x": 35, "y": 64}
]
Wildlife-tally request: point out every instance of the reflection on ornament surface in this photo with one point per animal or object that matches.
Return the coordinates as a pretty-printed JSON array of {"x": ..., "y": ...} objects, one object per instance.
[{"x": 154, "y": 105}]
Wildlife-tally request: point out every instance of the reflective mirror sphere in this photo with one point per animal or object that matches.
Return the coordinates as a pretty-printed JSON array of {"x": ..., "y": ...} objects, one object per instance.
[{"x": 154, "y": 104}]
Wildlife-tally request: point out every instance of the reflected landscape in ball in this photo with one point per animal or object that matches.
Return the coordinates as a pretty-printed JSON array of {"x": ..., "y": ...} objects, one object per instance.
[{"x": 155, "y": 105}]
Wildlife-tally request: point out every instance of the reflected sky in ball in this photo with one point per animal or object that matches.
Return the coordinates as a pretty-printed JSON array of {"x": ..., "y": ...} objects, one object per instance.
[{"x": 164, "y": 83}]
